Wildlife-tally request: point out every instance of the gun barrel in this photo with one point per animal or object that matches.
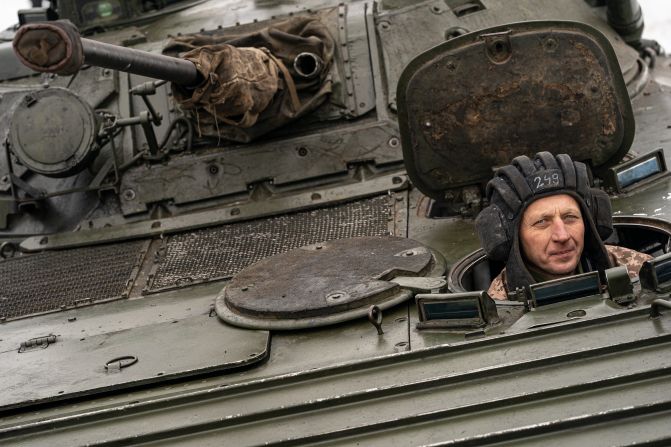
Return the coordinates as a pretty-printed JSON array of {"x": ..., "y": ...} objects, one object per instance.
[
  {"x": 152, "y": 65},
  {"x": 57, "y": 47}
]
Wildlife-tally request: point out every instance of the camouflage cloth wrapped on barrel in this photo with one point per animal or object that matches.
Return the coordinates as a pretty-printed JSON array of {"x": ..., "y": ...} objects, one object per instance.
[
  {"x": 251, "y": 85},
  {"x": 632, "y": 259}
]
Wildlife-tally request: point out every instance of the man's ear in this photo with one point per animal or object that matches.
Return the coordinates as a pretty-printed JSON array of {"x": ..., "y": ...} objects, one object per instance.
[{"x": 492, "y": 230}]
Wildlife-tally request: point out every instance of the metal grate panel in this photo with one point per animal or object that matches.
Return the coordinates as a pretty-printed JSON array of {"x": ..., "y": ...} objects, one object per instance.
[
  {"x": 55, "y": 280},
  {"x": 221, "y": 252}
]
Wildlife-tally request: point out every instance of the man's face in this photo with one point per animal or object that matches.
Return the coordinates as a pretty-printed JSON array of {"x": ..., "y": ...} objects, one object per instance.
[{"x": 552, "y": 234}]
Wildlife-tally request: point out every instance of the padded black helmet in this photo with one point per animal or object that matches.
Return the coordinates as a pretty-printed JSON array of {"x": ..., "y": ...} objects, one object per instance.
[{"x": 517, "y": 185}]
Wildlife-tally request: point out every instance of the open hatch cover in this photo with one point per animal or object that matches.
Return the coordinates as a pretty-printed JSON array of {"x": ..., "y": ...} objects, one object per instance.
[
  {"x": 475, "y": 102},
  {"x": 327, "y": 283}
]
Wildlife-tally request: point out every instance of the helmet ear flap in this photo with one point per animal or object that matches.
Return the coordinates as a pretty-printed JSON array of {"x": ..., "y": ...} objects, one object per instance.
[
  {"x": 602, "y": 213},
  {"x": 492, "y": 229}
]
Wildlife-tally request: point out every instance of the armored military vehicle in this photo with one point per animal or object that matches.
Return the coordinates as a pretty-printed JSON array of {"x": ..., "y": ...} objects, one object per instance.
[{"x": 251, "y": 223}]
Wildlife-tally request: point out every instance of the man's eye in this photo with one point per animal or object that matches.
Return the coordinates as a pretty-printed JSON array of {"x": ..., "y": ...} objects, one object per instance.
[
  {"x": 571, "y": 218},
  {"x": 540, "y": 222}
]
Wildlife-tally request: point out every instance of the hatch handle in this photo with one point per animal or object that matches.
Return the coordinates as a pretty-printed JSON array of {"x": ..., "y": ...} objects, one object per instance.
[
  {"x": 375, "y": 318},
  {"x": 119, "y": 363}
]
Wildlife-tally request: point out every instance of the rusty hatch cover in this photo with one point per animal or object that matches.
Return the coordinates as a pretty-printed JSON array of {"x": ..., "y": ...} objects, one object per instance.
[
  {"x": 473, "y": 103},
  {"x": 324, "y": 283}
]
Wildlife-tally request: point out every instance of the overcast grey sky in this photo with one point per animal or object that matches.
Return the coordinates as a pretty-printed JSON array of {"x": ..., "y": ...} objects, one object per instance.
[
  {"x": 657, "y": 15},
  {"x": 8, "y": 11}
]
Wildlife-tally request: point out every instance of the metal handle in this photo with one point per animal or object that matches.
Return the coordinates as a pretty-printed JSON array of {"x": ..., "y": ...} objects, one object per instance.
[{"x": 375, "y": 317}]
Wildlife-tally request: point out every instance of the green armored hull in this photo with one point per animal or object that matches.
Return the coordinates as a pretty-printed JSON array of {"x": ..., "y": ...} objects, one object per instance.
[{"x": 319, "y": 282}]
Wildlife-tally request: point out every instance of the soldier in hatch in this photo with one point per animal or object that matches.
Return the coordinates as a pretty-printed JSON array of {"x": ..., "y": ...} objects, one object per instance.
[{"x": 545, "y": 221}]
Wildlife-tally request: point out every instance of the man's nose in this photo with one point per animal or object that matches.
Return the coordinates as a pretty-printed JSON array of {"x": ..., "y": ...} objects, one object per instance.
[{"x": 559, "y": 231}]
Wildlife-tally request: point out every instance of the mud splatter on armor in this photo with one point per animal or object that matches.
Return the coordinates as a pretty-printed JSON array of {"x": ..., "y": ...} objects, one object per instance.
[{"x": 632, "y": 259}]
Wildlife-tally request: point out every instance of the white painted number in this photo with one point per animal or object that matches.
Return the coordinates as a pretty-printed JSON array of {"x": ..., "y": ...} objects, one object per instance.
[{"x": 546, "y": 180}]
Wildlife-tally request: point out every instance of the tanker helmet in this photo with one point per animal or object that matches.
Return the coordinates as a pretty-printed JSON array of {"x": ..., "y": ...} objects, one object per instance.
[{"x": 517, "y": 185}]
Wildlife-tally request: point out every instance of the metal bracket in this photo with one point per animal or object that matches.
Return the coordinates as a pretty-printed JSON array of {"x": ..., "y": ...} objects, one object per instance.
[
  {"x": 420, "y": 284},
  {"x": 34, "y": 193},
  {"x": 656, "y": 305},
  {"x": 620, "y": 288},
  {"x": 144, "y": 119},
  {"x": 147, "y": 89},
  {"x": 344, "y": 50}
]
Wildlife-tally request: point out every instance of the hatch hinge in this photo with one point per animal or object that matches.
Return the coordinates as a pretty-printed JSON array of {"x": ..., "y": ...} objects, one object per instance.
[{"x": 37, "y": 342}]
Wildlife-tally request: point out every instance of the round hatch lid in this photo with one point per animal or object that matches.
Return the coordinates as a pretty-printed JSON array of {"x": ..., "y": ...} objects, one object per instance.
[
  {"x": 324, "y": 283},
  {"x": 53, "y": 132},
  {"x": 473, "y": 103}
]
